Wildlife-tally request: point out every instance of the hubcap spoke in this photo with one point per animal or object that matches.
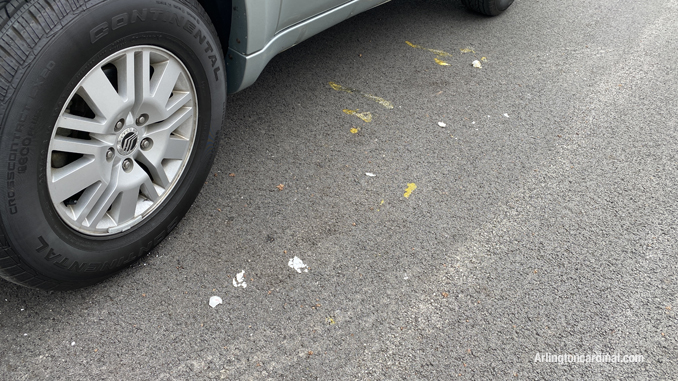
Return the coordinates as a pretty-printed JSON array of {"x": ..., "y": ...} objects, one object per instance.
[
  {"x": 171, "y": 124},
  {"x": 176, "y": 148},
  {"x": 125, "y": 205},
  {"x": 156, "y": 170},
  {"x": 101, "y": 96},
  {"x": 122, "y": 141},
  {"x": 74, "y": 178},
  {"x": 78, "y": 123},
  {"x": 87, "y": 202},
  {"x": 164, "y": 80},
  {"x": 178, "y": 101},
  {"x": 103, "y": 203},
  {"x": 148, "y": 190},
  {"x": 127, "y": 76},
  {"x": 84, "y": 147},
  {"x": 166, "y": 146},
  {"x": 142, "y": 78}
]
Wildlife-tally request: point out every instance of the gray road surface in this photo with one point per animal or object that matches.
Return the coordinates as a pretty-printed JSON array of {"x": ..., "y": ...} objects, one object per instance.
[{"x": 543, "y": 220}]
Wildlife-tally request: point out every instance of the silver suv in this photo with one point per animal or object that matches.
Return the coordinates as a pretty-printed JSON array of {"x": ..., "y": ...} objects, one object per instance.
[{"x": 110, "y": 112}]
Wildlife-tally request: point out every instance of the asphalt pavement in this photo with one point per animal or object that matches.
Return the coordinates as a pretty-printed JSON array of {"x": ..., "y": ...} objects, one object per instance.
[{"x": 484, "y": 224}]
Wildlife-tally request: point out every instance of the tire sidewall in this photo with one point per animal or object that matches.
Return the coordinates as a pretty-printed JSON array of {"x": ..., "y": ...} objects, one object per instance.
[{"x": 33, "y": 227}]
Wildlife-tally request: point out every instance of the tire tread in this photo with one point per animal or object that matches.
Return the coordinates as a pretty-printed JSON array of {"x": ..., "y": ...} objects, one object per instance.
[{"x": 15, "y": 47}]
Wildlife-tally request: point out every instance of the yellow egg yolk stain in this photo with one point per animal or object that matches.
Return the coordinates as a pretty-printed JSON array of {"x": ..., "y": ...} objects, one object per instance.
[{"x": 410, "y": 188}]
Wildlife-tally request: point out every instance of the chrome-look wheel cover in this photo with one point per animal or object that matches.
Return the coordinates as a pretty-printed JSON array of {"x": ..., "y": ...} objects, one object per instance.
[{"x": 122, "y": 140}]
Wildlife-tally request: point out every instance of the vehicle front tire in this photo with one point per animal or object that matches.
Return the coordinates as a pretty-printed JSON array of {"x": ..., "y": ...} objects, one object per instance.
[
  {"x": 110, "y": 113},
  {"x": 488, "y": 7}
]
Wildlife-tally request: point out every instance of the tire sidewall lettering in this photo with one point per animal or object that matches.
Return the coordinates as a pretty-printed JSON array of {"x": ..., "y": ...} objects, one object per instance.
[
  {"x": 21, "y": 139},
  {"x": 177, "y": 17}
]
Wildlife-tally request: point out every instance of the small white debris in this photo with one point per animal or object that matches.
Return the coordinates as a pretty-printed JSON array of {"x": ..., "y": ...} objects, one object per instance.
[
  {"x": 370, "y": 174},
  {"x": 215, "y": 301},
  {"x": 72, "y": 343},
  {"x": 297, "y": 264},
  {"x": 406, "y": 277},
  {"x": 477, "y": 64},
  {"x": 442, "y": 124},
  {"x": 239, "y": 280},
  {"x": 25, "y": 334},
  {"x": 473, "y": 122},
  {"x": 506, "y": 115}
]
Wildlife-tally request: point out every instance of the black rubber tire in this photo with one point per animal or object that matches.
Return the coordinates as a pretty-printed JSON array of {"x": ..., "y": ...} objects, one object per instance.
[
  {"x": 7, "y": 10},
  {"x": 488, "y": 7},
  {"x": 46, "y": 48}
]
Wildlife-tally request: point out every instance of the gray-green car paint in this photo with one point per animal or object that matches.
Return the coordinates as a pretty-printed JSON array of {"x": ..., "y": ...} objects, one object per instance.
[{"x": 260, "y": 29}]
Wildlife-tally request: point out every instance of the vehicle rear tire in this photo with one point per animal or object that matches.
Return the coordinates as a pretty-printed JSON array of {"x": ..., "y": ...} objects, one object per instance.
[
  {"x": 488, "y": 7},
  {"x": 109, "y": 119}
]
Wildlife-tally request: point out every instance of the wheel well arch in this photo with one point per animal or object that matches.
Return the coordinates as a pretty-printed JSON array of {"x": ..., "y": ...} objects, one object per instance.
[{"x": 219, "y": 11}]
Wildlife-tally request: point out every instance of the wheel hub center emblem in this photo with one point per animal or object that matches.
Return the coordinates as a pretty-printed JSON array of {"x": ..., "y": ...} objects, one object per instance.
[{"x": 127, "y": 141}]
